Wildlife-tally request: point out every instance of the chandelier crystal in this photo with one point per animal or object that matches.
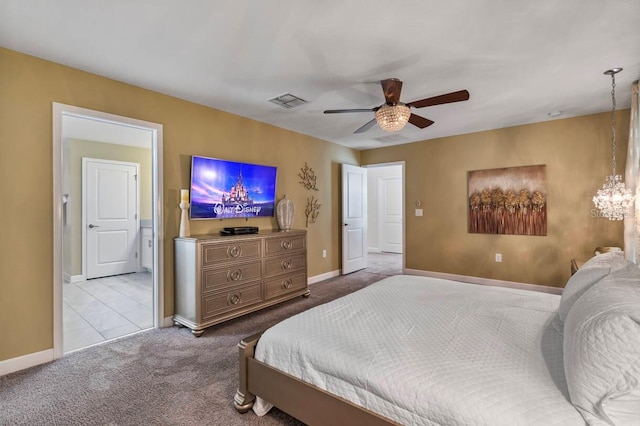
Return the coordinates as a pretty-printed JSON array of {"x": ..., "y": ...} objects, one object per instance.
[
  {"x": 614, "y": 201},
  {"x": 392, "y": 118}
]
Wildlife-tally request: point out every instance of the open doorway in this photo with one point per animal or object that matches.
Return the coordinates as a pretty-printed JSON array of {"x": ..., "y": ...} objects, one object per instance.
[
  {"x": 107, "y": 227},
  {"x": 385, "y": 218}
]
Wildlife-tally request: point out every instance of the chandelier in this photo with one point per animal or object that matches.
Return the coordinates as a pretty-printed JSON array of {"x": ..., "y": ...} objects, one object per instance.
[
  {"x": 614, "y": 200},
  {"x": 392, "y": 118}
]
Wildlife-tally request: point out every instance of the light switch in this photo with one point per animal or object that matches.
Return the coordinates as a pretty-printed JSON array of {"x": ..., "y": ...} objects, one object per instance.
[{"x": 418, "y": 212}]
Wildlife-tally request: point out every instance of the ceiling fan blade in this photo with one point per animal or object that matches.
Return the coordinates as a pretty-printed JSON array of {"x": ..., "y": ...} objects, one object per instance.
[
  {"x": 366, "y": 126},
  {"x": 340, "y": 111},
  {"x": 418, "y": 121},
  {"x": 391, "y": 88},
  {"x": 461, "y": 95}
]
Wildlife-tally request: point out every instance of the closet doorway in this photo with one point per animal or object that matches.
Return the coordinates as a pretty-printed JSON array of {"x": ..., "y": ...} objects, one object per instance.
[
  {"x": 386, "y": 218},
  {"x": 91, "y": 308}
]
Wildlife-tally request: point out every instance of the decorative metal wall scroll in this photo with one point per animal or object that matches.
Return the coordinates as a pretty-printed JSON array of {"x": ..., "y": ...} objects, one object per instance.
[
  {"x": 308, "y": 177},
  {"x": 312, "y": 210},
  {"x": 309, "y": 181}
]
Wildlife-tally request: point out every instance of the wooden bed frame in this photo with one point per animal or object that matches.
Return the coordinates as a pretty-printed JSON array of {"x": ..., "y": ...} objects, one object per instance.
[{"x": 307, "y": 403}]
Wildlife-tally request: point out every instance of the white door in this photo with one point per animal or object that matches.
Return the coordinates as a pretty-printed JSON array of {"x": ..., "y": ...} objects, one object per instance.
[
  {"x": 354, "y": 218},
  {"x": 110, "y": 200},
  {"x": 390, "y": 214}
]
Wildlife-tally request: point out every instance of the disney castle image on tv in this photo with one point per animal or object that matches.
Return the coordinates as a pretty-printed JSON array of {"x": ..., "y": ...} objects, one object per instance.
[{"x": 223, "y": 189}]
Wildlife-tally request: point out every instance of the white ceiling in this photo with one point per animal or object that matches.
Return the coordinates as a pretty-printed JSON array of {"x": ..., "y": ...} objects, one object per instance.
[{"x": 519, "y": 59}]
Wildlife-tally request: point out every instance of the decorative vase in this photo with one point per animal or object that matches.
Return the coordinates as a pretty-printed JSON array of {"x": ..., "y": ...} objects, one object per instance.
[
  {"x": 285, "y": 212},
  {"x": 184, "y": 221}
]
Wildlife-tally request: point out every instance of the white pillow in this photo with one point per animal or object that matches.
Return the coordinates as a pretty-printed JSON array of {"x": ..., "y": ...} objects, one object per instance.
[
  {"x": 602, "y": 350},
  {"x": 590, "y": 273}
]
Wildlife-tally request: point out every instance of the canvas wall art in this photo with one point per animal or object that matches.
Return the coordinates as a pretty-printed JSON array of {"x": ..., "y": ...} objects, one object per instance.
[{"x": 508, "y": 201}]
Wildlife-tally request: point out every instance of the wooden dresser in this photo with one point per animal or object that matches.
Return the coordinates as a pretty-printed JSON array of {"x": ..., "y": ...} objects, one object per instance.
[{"x": 218, "y": 278}]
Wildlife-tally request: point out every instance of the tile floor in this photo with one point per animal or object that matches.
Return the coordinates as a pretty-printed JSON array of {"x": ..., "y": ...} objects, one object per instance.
[{"x": 105, "y": 308}]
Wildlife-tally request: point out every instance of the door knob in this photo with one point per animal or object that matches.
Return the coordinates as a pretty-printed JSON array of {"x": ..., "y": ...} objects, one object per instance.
[{"x": 91, "y": 225}]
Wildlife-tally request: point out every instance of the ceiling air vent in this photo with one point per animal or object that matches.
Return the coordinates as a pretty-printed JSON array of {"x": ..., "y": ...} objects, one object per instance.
[{"x": 288, "y": 100}]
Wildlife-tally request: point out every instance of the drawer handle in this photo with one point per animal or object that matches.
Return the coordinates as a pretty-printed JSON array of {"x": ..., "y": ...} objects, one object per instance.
[
  {"x": 287, "y": 284},
  {"x": 234, "y": 251},
  {"x": 286, "y": 244},
  {"x": 234, "y": 275},
  {"x": 286, "y": 264},
  {"x": 234, "y": 299}
]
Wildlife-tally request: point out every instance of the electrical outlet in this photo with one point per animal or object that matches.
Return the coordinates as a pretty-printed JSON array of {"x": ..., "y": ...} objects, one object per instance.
[
  {"x": 498, "y": 257},
  {"x": 324, "y": 253}
]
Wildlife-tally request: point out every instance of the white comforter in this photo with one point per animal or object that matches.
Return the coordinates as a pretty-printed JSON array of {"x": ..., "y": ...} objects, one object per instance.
[{"x": 425, "y": 351}]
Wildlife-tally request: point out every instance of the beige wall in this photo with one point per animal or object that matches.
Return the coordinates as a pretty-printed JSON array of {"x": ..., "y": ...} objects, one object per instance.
[
  {"x": 79, "y": 149},
  {"x": 577, "y": 153},
  {"x": 29, "y": 86}
]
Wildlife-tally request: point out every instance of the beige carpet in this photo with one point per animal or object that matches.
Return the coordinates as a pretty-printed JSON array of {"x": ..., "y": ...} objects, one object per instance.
[{"x": 160, "y": 377}]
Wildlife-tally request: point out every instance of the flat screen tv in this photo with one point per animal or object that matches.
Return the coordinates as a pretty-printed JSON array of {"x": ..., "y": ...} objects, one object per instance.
[{"x": 223, "y": 189}]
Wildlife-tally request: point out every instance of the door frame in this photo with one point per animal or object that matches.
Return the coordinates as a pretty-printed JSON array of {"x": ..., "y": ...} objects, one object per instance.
[
  {"x": 404, "y": 210},
  {"x": 156, "y": 131},
  {"x": 86, "y": 160}
]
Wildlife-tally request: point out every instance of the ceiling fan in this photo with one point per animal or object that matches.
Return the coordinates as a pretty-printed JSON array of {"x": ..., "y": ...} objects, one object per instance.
[{"x": 393, "y": 115}]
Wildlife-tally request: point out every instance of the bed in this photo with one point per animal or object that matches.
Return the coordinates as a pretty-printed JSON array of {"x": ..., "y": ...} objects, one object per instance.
[{"x": 415, "y": 350}]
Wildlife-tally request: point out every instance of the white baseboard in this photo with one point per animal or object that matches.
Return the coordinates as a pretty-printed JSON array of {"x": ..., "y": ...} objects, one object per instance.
[
  {"x": 26, "y": 361},
  {"x": 485, "y": 281},
  {"x": 73, "y": 278},
  {"x": 322, "y": 277},
  {"x": 373, "y": 250}
]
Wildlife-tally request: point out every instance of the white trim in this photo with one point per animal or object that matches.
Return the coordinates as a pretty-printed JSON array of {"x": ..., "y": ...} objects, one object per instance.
[
  {"x": 157, "y": 160},
  {"x": 323, "y": 277},
  {"x": 156, "y": 134},
  {"x": 58, "y": 267},
  {"x": 374, "y": 250},
  {"x": 25, "y": 361},
  {"x": 485, "y": 281},
  {"x": 73, "y": 278}
]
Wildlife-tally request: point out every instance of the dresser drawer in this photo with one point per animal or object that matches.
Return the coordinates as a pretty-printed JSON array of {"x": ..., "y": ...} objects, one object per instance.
[
  {"x": 235, "y": 298},
  {"x": 287, "y": 244},
  {"x": 283, "y": 285},
  {"x": 231, "y": 274},
  {"x": 283, "y": 264},
  {"x": 226, "y": 251}
]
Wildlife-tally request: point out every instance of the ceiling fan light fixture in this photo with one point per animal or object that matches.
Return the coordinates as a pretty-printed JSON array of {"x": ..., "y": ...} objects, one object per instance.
[{"x": 392, "y": 118}]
